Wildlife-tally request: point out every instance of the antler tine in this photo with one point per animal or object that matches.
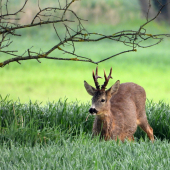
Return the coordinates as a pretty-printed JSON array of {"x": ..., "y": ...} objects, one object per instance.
[
  {"x": 95, "y": 77},
  {"x": 110, "y": 74},
  {"x": 97, "y": 71},
  {"x": 105, "y": 75},
  {"x": 106, "y": 79}
]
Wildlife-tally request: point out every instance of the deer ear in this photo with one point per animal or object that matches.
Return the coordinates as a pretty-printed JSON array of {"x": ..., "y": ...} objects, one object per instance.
[
  {"x": 114, "y": 89},
  {"x": 91, "y": 90}
]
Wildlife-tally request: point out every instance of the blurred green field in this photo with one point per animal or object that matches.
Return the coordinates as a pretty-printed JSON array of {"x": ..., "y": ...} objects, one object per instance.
[{"x": 51, "y": 80}]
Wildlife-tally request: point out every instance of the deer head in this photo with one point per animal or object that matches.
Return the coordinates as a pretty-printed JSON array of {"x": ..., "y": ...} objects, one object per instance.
[{"x": 101, "y": 96}]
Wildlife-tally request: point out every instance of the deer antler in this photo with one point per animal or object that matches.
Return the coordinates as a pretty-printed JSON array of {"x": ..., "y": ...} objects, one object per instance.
[
  {"x": 95, "y": 77},
  {"x": 106, "y": 79}
]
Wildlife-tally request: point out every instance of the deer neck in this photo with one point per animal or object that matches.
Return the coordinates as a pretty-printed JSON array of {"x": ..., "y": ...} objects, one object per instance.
[
  {"x": 105, "y": 114},
  {"x": 104, "y": 117},
  {"x": 104, "y": 122}
]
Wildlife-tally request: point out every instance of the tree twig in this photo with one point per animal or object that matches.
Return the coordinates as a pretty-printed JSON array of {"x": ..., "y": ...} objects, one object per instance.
[{"x": 75, "y": 32}]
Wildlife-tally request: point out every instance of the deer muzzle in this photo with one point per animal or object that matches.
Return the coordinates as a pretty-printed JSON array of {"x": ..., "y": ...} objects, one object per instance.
[{"x": 93, "y": 111}]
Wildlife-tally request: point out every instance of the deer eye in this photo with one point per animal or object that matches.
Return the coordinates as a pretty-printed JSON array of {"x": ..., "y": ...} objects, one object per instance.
[{"x": 102, "y": 100}]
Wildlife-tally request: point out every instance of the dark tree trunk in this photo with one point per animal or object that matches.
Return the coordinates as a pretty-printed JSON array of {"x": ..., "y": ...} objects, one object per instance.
[
  {"x": 154, "y": 8},
  {"x": 145, "y": 9},
  {"x": 168, "y": 7}
]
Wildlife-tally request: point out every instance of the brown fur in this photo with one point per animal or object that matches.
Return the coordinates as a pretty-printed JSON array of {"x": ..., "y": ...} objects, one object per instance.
[{"x": 122, "y": 112}]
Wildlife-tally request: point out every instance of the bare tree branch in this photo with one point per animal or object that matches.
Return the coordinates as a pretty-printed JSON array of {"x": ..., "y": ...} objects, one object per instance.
[{"x": 75, "y": 33}]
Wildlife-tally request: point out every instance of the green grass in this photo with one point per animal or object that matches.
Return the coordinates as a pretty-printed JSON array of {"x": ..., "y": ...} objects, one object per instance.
[
  {"x": 88, "y": 154},
  {"x": 57, "y": 136},
  {"x": 28, "y": 124}
]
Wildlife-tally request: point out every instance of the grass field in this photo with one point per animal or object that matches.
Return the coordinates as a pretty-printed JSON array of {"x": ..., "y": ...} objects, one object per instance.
[
  {"x": 86, "y": 154},
  {"x": 57, "y": 136}
]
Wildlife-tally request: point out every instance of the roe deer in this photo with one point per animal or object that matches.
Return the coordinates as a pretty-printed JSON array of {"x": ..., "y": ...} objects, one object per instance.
[{"x": 118, "y": 110}]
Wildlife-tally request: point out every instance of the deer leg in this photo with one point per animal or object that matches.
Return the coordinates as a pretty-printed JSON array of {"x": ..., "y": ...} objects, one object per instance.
[{"x": 144, "y": 125}]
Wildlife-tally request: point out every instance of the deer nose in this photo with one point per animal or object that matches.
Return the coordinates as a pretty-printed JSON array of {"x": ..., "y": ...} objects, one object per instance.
[{"x": 92, "y": 110}]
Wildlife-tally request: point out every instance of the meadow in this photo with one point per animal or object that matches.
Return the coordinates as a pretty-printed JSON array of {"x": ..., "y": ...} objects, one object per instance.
[
  {"x": 52, "y": 80},
  {"x": 43, "y": 107},
  {"x": 57, "y": 136}
]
